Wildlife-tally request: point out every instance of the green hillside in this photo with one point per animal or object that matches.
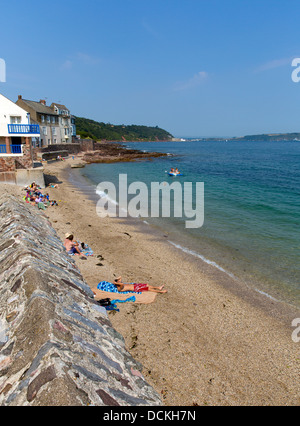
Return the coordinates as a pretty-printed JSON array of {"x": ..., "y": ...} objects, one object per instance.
[{"x": 87, "y": 128}]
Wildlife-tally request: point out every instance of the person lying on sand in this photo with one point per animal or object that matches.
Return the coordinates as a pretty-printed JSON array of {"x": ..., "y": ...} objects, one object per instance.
[
  {"x": 71, "y": 246},
  {"x": 137, "y": 287}
]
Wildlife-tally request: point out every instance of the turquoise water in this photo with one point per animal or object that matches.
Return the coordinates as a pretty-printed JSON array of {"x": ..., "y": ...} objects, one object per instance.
[{"x": 251, "y": 205}]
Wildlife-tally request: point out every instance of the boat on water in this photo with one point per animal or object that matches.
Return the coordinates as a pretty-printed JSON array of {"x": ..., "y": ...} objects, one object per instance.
[{"x": 174, "y": 174}]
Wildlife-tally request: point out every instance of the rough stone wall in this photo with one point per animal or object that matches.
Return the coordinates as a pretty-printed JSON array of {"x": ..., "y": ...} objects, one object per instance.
[
  {"x": 25, "y": 161},
  {"x": 13, "y": 162},
  {"x": 7, "y": 164},
  {"x": 71, "y": 148},
  {"x": 57, "y": 345},
  {"x": 88, "y": 145}
]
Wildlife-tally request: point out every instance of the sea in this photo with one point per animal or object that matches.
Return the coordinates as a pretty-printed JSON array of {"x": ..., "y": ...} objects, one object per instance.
[{"x": 251, "y": 227}]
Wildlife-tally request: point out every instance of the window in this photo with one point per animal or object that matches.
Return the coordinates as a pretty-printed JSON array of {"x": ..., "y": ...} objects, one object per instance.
[
  {"x": 43, "y": 118},
  {"x": 54, "y": 131},
  {"x": 53, "y": 119},
  {"x": 15, "y": 120},
  {"x": 48, "y": 118},
  {"x": 44, "y": 130}
]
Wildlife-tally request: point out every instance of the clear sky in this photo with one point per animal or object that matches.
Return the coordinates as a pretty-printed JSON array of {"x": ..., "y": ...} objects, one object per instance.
[{"x": 192, "y": 67}]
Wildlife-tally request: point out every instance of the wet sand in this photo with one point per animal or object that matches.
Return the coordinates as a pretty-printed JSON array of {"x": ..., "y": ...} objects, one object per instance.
[{"x": 209, "y": 340}]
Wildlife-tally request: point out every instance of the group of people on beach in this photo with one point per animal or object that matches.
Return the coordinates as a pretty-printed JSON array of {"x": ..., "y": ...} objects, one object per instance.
[
  {"x": 35, "y": 197},
  {"x": 73, "y": 247}
]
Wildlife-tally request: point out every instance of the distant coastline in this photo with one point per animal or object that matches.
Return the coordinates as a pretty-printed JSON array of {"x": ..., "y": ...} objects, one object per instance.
[
  {"x": 265, "y": 137},
  {"x": 87, "y": 128}
]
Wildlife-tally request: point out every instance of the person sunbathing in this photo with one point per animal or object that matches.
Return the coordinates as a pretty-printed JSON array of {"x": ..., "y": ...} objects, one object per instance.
[
  {"x": 71, "y": 246},
  {"x": 137, "y": 287}
]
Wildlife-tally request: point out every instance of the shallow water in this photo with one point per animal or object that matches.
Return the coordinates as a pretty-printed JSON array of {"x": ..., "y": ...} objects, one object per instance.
[{"x": 251, "y": 206}]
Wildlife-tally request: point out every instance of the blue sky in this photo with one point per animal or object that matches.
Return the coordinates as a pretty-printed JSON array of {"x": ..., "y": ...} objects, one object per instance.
[{"x": 192, "y": 67}]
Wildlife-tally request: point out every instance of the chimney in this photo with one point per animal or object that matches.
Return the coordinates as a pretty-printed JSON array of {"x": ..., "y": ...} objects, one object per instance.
[
  {"x": 19, "y": 97},
  {"x": 42, "y": 101}
]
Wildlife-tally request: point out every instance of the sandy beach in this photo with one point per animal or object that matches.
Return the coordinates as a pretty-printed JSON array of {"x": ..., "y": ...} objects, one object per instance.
[{"x": 209, "y": 340}]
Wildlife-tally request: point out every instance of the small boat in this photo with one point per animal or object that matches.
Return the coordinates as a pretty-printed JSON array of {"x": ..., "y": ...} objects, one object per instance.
[{"x": 174, "y": 174}]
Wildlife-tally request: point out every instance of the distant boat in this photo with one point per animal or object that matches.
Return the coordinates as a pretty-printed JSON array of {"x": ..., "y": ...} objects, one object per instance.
[{"x": 174, "y": 174}]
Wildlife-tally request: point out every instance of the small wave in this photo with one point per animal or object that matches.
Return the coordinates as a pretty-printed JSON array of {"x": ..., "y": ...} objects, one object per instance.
[
  {"x": 210, "y": 262},
  {"x": 266, "y": 294},
  {"x": 103, "y": 194},
  {"x": 195, "y": 254}
]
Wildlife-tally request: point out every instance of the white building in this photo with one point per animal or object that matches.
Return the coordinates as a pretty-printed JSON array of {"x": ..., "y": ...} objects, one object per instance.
[
  {"x": 15, "y": 129},
  {"x": 65, "y": 124},
  {"x": 55, "y": 121},
  {"x": 45, "y": 117},
  {"x": 16, "y": 134}
]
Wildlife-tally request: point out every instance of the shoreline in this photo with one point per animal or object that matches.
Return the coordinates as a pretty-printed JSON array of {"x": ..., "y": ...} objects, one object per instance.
[
  {"x": 246, "y": 265},
  {"x": 204, "y": 342},
  {"x": 274, "y": 306}
]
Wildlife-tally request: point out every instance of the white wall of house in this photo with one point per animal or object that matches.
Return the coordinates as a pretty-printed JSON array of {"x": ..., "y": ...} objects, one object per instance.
[
  {"x": 10, "y": 113},
  {"x": 64, "y": 124}
]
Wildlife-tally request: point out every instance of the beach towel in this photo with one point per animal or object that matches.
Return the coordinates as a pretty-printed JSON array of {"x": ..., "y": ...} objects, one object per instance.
[
  {"x": 130, "y": 299},
  {"x": 145, "y": 297},
  {"x": 112, "y": 308},
  {"x": 41, "y": 206},
  {"x": 88, "y": 252},
  {"x": 85, "y": 249},
  {"x": 113, "y": 303},
  {"x": 107, "y": 286}
]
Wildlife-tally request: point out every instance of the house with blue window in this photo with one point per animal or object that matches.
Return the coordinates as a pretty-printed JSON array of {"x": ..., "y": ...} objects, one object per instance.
[
  {"x": 46, "y": 118},
  {"x": 56, "y": 123},
  {"x": 16, "y": 133},
  {"x": 65, "y": 122}
]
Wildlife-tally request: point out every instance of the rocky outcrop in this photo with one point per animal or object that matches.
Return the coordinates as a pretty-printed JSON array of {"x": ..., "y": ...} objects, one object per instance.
[
  {"x": 57, "y": 345},
  {"x": 105, "y": 152}
]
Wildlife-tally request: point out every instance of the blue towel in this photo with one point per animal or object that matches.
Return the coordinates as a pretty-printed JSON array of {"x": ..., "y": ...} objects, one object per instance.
[
  {"x": 112, "y": 308},
  {"x": 107, "y": 286},
  {"x": 130, "y": 299}
]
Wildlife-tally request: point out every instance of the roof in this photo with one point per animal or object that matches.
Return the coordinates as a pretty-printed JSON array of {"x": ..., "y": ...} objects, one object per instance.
[
  {"x": 60, "y": 106},
  {"x": 39, "y": 107},
  {"x": 12, "y": 104}
]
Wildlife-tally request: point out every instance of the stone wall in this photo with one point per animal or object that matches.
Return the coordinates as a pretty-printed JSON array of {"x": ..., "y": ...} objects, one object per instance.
[
  {"x": 51, "y": 151},
  {"x": 57, "y": 345},
  {"x": 7, "y": 164},
  {"x": 12, "y": 162},
  {"x": 88, "y": 145}
]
